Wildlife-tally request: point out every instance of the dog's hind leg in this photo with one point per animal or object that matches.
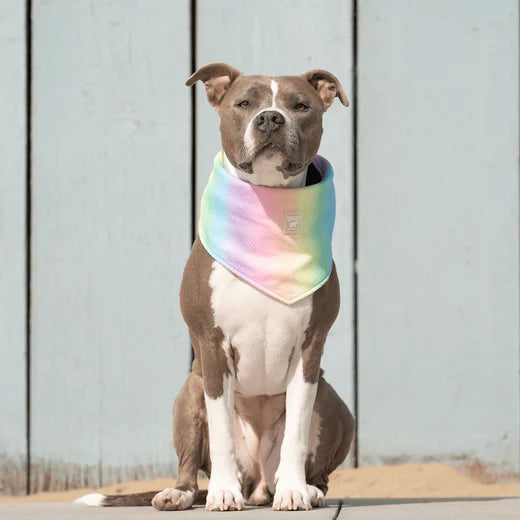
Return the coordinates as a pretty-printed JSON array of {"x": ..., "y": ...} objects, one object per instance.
[
  {"x": 190, "y": 438},
  {"x": 331, "y": 434}
]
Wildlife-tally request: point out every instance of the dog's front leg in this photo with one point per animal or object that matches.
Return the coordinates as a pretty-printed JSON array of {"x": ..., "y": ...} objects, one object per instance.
[
  {"x": 224, "y": 491},
  {"x": 292, "y": 491}
]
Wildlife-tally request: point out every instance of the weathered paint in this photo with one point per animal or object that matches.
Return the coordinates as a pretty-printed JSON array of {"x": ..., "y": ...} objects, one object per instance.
[
  {"x": 438, "y": 230},
  {"x": 276, "y": 38},
  {"x": 111, "y": 233},
  {"x": 12, "y": 248}
]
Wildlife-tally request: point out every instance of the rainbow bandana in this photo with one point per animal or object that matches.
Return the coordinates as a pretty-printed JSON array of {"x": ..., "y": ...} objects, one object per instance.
[{"x": 276, "y": 239}]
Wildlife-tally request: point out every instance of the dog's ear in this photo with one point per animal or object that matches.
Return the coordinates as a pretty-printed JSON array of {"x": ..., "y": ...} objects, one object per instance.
[
  {"x": 217, "y": 78},
  {"x": 327, "y": 86}
]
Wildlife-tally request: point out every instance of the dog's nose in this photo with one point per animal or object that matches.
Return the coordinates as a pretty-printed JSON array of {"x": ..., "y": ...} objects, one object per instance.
[{"x": 269, "y": 120}]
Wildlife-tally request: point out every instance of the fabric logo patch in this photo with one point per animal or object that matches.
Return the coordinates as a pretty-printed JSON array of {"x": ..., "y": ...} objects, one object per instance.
[{"x": 293, "y": 223}]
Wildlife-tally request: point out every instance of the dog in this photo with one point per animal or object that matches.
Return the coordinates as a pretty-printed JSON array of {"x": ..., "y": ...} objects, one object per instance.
[{"x": 255, "y": 413}]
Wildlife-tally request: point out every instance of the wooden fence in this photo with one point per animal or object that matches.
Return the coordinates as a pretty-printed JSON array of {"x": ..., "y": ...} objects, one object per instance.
[{"x": 103, "y": 157}]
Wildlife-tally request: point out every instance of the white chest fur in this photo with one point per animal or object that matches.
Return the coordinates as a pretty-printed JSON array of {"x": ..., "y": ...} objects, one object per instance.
[{"x": 266, "y": 334}]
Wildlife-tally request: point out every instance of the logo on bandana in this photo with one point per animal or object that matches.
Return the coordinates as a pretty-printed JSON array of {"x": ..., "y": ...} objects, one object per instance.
[{"x": 293, "y": 223}]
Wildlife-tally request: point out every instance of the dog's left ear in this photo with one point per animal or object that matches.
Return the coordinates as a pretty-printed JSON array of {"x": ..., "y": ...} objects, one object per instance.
[
  {"x": 327, "y": 86},
  {"x": 217, "y": 78}
]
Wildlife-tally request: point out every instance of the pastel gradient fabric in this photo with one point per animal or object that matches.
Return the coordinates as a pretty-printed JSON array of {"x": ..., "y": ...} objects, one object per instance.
[{"x": 276, "y": 239}]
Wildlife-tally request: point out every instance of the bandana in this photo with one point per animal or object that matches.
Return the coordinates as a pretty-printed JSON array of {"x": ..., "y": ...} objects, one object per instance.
[{"x": 276, "y": 239}]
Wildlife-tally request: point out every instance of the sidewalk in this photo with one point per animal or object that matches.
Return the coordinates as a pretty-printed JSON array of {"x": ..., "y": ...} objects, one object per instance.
[{"x": 354, "y": 509}]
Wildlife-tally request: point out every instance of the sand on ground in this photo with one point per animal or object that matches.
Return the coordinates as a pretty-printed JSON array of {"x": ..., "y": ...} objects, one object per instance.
[{"x": 403, "y": 481}]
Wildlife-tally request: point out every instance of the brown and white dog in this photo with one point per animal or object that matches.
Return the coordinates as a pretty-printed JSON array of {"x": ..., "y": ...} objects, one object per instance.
[{"x": 256, "y": 413}]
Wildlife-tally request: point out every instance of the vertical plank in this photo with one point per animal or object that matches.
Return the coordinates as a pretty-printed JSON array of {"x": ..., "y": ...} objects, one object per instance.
[
  {"x": 12, "y": 249},
  {"x": 111, "y": 227},
  {"x": 279, "y": 39},
  {"x": 439, "y": 224}
]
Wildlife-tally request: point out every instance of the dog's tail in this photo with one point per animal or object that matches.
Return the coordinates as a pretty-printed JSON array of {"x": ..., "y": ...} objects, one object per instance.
[{"x": 131, "y": 500}]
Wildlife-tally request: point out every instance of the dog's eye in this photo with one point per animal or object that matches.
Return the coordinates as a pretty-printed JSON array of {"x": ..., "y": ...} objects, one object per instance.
[
  {"x": 243, "y": 104},
  {"x": 300, "y": 106}
]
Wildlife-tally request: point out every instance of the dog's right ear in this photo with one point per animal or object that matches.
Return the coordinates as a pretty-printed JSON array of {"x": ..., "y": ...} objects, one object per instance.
[{"x": 217, "y": 78}]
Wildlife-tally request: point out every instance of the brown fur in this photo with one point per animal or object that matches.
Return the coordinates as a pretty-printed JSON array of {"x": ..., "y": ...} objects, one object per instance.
[
  {"x": 196, "y": 310},
  {"x": 189, "y": 420},
  {"x": 325, "y": 308},
  {"x": 327, "y": 86},
  {"x": 216, "y": 77},
  {"x": 233, "y": 121},
  {"x": 336, "y": 435},
  {"x": 145, "y": 499},
  {"x": 226, "y": 88}
]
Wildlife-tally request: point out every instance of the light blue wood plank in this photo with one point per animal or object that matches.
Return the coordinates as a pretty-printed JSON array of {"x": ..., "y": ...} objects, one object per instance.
[
  {"x": 111, "y": 234},
  {"x": 439, "y": 224},
  {"x": 12, "y": 249},
  {"x": 286, "y": 37}
]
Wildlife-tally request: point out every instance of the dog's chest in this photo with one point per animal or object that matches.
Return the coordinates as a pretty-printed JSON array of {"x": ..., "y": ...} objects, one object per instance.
[{"x": 262, "y": 335}]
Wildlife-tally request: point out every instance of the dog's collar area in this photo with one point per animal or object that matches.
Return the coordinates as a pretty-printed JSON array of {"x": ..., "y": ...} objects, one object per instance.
[
  {"x": 318, "y": 171},
  {"x": 310, "y": 176},
  {"x": 276, "y": 239}
]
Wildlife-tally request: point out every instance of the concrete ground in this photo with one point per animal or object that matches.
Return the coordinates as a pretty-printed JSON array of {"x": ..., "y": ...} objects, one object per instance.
[{"x": 348, "y": 509}]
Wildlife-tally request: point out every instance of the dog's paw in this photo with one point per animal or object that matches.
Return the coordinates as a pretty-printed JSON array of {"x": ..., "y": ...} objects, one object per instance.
[
  {"x": 292, "y": 497},
  {"x": 172, "y": 499},
  {"x": 317, "y": 496},
  {"x": 224, "y": 498}
]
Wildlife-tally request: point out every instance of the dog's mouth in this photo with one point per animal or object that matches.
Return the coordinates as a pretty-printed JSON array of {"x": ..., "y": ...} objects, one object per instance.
[{"x": 289, "y": 166}]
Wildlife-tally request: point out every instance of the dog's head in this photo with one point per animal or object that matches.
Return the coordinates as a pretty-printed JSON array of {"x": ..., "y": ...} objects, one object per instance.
[{"x": 263, "y": 118}]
